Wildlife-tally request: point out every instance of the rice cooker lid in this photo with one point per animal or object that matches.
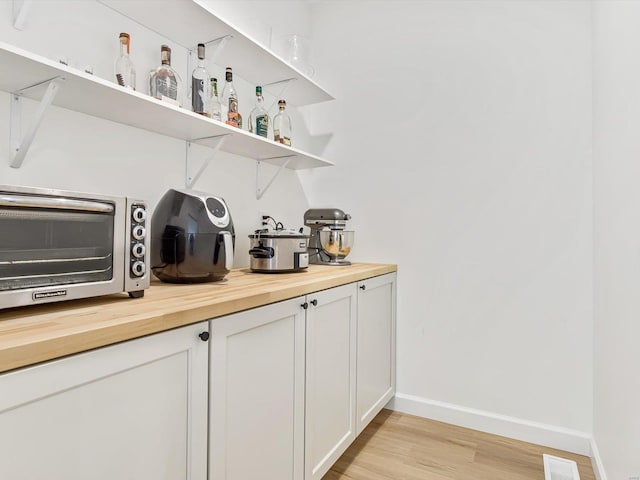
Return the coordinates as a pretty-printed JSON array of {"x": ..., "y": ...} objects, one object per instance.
[{"x": 287, "y": 233}]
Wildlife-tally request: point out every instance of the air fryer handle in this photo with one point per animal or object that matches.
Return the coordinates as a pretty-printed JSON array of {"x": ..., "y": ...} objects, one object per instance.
[{"x": 228, "y": 249}]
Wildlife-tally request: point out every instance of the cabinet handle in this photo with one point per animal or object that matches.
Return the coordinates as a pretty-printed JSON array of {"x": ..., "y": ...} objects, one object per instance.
[
  {"x": 204, "y": 336},
  {"x": 305, "y": 305},
  {"x": 314, "y": 302},
  {"x": 363, "y": 287}
]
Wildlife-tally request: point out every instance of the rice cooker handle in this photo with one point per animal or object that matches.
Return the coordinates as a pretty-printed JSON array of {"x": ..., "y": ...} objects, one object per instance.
[
  {"x": 262, "y": 252},
  {"x": 228, "y": 249}
]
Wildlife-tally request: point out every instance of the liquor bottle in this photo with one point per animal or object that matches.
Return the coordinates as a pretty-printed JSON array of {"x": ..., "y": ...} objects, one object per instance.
[
  {"x": 228, "y": 90},
  {"x": 233, "y": 116},
  {"x": 164, "y": 82},
  {"x": 124, "y": 69},
  {"x": 214, "y": 103},
  {"x": 229, "y": 101},
  {"x": 259, "y": 118},
  {"x": 200, "y": 86},
  {"x": 282, "y": 125}
]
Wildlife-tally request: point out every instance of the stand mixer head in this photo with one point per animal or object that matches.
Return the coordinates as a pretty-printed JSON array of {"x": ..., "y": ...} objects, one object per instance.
[{"x": 329, "y": 242}]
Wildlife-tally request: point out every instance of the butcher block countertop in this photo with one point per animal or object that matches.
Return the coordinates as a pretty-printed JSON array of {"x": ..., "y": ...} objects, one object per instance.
[{"x": 34, "y": 334}]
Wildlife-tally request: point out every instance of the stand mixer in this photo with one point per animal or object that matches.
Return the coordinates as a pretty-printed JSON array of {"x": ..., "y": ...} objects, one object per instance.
[{"x": 329, "y": 242}]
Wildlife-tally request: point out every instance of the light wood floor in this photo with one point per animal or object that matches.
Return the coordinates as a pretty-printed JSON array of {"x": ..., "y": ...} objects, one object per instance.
[{"x": 396, "y": 446}]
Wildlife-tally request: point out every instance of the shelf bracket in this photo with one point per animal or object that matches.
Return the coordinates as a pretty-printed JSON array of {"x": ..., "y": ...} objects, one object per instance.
[
  {"x": 190, "y": 180},
  {"x": 222, "y": 41},
  {"x": 20, "y": 144},
  {"x": 261, "y": 191},
  {"x": 20, "y": 12},
  {"x": 287, "y": 83},
  {"x": 193, "y": 52}
]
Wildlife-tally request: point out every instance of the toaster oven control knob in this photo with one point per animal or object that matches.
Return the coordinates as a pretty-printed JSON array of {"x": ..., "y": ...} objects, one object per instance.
[
  {"x": 139, "y": 214},
  {"x": 138, "y": 250},
  {"x": 138, "y": 268},
  {"x": 138, "y": 232}
]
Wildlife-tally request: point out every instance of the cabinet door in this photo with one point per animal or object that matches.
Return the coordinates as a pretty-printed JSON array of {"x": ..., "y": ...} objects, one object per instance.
[
  {"x": 135, "y": 410},
  {"x": 331, "y": 376},
  {"x": 376, "y": 346},
  {"x": 257, "y": 394}
]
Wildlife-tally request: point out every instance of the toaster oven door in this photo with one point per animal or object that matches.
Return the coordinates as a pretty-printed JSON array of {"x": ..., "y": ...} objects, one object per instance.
[{"x": 52, "y": 241}]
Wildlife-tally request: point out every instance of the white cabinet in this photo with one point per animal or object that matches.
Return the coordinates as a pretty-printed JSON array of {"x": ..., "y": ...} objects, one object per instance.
[
  {"x": 257, "y": 394},
  {"x": 135, "y": 410},
  {"x": 376, "y": 346},
  {"x": 293, "y": 383},
  {"x": 278, "y": 393},
  {"x": 330, "y": 422}
]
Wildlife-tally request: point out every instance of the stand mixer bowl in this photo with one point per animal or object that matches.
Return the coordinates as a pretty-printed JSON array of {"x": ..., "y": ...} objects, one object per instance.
[{"x": 336, "y": 243}]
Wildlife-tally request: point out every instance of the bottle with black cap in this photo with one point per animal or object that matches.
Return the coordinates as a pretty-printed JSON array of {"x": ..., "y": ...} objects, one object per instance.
[{"x": 200, "y": 85}]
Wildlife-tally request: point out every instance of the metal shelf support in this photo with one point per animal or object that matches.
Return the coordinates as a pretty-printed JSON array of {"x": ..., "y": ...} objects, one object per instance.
[
  {"x": 190, "y": 180},
  {"x": 222, "y": 41},
  {"x": 260, "y": 191},
  {"x": 20, "y": 13},
  {"x": 287, "y": 83},
  {"x": 20, "y": 144},
  {"x": 218, "y": 48}
]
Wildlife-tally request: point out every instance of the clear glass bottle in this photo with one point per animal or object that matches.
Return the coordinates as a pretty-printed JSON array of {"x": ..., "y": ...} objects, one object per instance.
[
  {"x": 214, "y": 103},
  {"x": 164, "y": 82},
  {"x": 229, "y": 101},
  {"x": 259, "y": 118},
  {"x": 282, "y": 125},
  {"x": 200, "y": 86},
  {"x": 124, "y": 70},
  {"x": 228, "y": 90}
]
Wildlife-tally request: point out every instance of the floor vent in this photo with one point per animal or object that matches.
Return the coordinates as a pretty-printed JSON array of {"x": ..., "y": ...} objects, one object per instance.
[{"x": 556, "y": 468}]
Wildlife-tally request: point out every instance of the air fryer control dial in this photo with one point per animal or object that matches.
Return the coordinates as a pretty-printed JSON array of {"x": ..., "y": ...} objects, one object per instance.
[
  {"x": 217, "y": 211},
  {"x": 216, "y": 207}
]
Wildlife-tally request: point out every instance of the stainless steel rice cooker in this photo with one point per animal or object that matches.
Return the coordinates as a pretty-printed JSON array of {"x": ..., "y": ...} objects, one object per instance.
[{"x": 278, "y": 251}]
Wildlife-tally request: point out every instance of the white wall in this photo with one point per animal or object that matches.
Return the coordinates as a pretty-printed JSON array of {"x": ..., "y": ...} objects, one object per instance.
[
  {"x": 77, "y": 152},
  {"x": 462, "y": 134},
  {"x": 617, "y": 236}
]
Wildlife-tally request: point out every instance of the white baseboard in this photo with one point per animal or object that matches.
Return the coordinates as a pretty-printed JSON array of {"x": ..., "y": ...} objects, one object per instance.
[
  {"x": 596, "y": 462},
  {"x": 539, "y": 433}
]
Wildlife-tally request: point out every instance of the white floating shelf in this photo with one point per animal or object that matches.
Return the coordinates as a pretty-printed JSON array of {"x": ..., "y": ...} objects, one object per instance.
[
  {"x": 85, "y": 93},
  {"x": 189, "y": 22}
]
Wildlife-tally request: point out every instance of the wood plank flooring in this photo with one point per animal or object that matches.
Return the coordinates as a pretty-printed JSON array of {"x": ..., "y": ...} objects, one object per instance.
[{"x": 397, "y": 446}]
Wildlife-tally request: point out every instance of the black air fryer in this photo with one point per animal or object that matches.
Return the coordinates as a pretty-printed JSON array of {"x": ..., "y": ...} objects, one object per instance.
[{"x": 192, "y": 238}]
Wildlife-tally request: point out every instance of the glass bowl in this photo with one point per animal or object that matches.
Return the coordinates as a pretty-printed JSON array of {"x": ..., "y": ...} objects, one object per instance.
[{"x": 336, "y": 243}]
